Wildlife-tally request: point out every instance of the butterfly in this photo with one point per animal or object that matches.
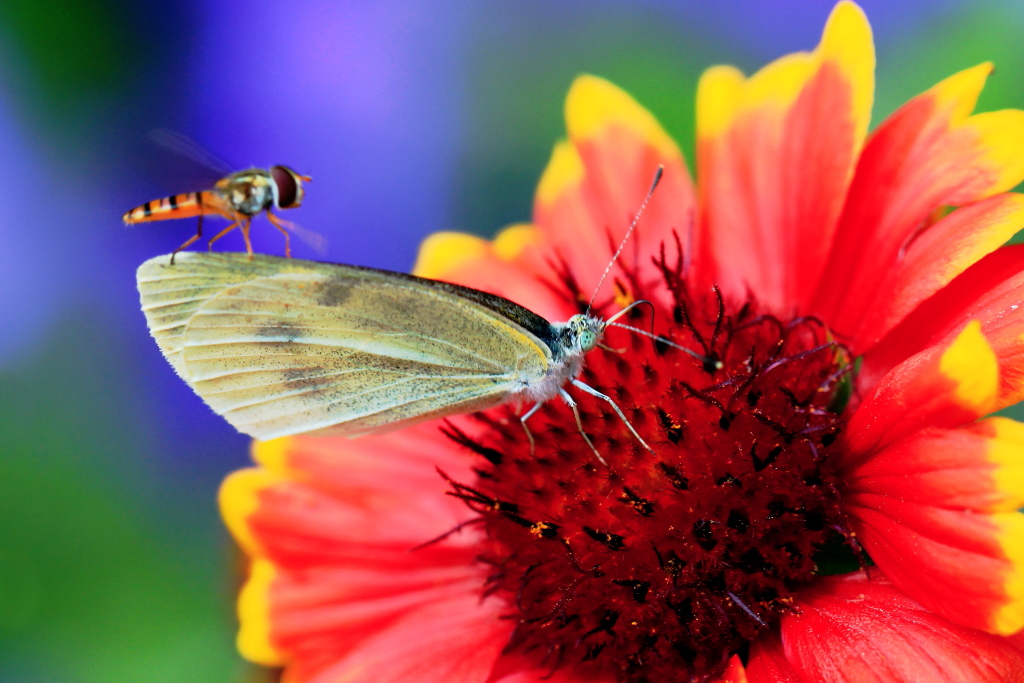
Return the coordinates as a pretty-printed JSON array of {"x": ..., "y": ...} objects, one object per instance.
[{"x": 283, "y": 346}]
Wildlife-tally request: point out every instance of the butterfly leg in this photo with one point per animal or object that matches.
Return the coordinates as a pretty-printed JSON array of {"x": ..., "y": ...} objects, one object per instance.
[
  {"x": 287, "y": 238},
  {"x": 579, "y": 423},
  {"x": 610, "y": 349},
  {"x": 221, "y": 234},
  {"x": 594, "y": 392},
  {"x": 190, "y": 240},
  {"x": 526, "y": 429}
]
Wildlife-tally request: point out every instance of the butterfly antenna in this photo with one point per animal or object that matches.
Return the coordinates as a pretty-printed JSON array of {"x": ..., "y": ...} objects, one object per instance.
[
  {"x": 632, "y": 226},
  {"x": 627, "y": 309},
  {"x": 707, "y": 361}
]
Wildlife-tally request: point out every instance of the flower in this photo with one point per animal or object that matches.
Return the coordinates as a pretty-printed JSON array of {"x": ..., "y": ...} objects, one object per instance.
[{"x": 827, "y": 501}]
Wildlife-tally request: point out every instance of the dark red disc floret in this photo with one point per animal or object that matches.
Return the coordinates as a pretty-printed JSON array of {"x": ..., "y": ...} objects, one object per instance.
[{"x": 661, "y": 565}]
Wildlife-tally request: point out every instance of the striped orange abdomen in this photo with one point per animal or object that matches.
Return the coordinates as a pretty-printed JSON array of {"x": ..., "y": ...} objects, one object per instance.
[{"x": 176, "y": 206}]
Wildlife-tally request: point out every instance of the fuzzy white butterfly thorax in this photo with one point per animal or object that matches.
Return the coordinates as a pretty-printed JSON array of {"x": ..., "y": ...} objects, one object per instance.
[{"x": 574, "y": 339}]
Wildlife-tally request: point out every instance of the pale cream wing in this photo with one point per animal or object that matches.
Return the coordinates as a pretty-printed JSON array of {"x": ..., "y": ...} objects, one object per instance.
[
  {"x": 172, "y": 294},
  {"x": 281, "y": 347}
]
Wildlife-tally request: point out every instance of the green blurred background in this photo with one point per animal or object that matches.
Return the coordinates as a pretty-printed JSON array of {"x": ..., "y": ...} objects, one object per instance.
[{"x": 412, "y": 118}]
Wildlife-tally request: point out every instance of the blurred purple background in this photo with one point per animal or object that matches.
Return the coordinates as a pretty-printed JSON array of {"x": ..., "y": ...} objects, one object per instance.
[{"x": 411, "y": 117}]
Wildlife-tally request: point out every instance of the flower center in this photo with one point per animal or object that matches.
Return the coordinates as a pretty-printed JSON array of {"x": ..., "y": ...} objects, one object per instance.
[{"x": 661, "y": 565}]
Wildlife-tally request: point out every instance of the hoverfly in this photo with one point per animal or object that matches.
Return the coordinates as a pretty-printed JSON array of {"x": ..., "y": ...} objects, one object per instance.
[{"x": 238, "y": 197}]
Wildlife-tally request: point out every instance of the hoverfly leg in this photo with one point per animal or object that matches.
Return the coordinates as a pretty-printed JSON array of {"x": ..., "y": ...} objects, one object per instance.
[
  {"x": 594, "y": 392},
  {"x": 287, "y": 238},
  {"x": 579, "y": 423},
  {"x": 221, "y": 234},
  {"x": 522, "y": 421},
  {"x": 246, "y": 223},
  {"x": 199, "y": 233}
]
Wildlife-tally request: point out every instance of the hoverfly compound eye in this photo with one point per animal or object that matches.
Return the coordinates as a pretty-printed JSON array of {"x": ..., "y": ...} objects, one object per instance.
[{"x": 289, "y": 187}]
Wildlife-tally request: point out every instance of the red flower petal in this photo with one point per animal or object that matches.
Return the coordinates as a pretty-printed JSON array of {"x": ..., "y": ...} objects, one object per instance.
[
  {"x": 937, "y": 512},
  {"x": 928, "y": 154},
  {"x": 505, "y": 266},
  {"x": 735, "y": 673},
  {"x": 521, "y": 672},
  {"x": 321, "y": 617},
  {"x": 344, "y": 497},
  {"x": 595, "y": 183},
  {"x": 333, "y": 526},
  {"x": 991, "y": 291},
  {"x": 855, "y": 630},
  {"x": 769, "y": 663},
  {"x": 516, "y": 669},
  {"x": 942, "y": 253},
  {"x": 453, "y": 641},
  {"x": 588, "y": 195},
  {"x": 943, "y": 386},
  {"x": 775, "y": 153}
]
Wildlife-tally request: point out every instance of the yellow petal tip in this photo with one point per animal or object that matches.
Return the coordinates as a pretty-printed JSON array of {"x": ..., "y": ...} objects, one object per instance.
[
  {"x": 272, "y": 454},
  {"x": 1010, "y": 618},
  {"x": 961, "y": 91},
  {"x": 239, "y": 499},
  {"x": 777, "y": 85},
  {"x": 443, "y": 252},
  {"x": 511, "y": 241},
  {"x": 973, "y": 367},
  {"x": 254, "y": 616},
  {"x": 1001, "y": 136},
  {"x": 847, "y": 34},
  {"x": 846, "y": 47},
  {"x": 594, "y": 105},
  {"x": 718, "y": 98},
  {"x": 564, "y": 170},
  {"x": 1006, "y": 453},
  {"x": 847, "y": 41}
]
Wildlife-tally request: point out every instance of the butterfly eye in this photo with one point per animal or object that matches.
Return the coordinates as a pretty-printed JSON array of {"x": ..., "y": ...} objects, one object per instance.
[{"x": 588, "y": 340}]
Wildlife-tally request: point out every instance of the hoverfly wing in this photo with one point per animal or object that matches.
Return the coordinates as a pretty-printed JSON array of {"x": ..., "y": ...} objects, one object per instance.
[
  {"x": 313, "y": 240},
  {"x": 184, "y": 146},
  {"x": 283, "y": 346}
]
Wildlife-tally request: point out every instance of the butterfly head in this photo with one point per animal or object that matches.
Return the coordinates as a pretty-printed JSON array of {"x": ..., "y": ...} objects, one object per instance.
[{"x": 582, "y": 333}]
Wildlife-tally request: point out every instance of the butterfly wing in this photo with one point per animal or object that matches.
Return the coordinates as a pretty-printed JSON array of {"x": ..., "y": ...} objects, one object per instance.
[{"x": 284, "y": 346}]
